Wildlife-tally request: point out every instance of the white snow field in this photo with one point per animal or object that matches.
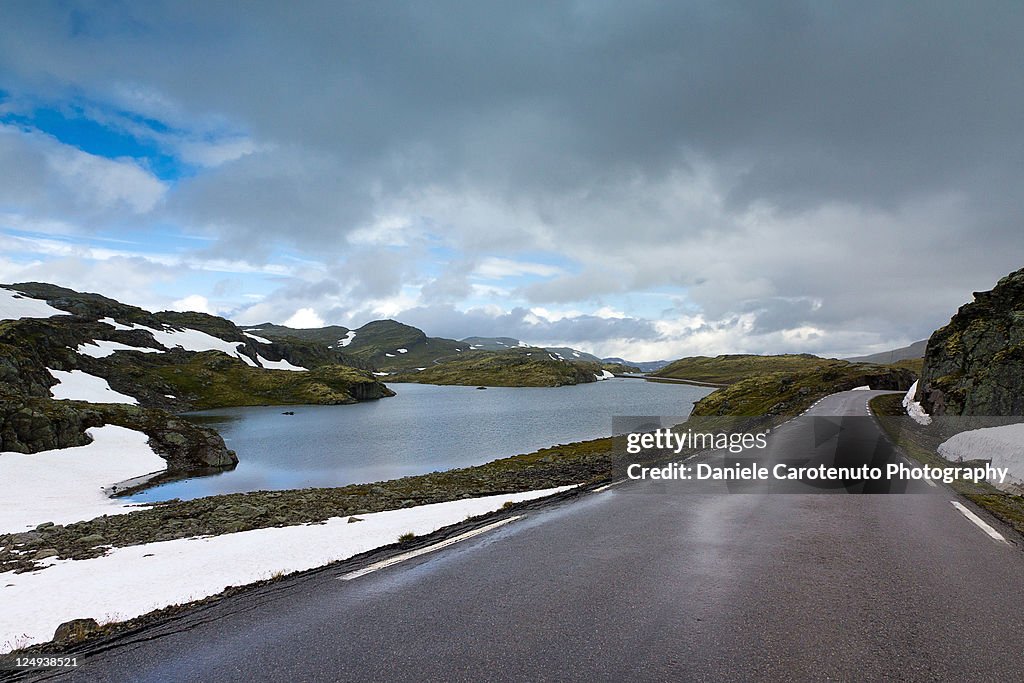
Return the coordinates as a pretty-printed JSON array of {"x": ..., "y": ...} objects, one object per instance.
[
  {"x": 187, "y": 339},
  {"x": 128, "y": 582},
  {"x": 101, "y": 348},
  {"x": 76, "y": 385},
  {"x": 914, "y": 408},
  {"x": 280, "y": 365},
  {"x": 1003, "y": 445},
  {"x": 14, "y": 306},
  {"x": 66, "y": 485}
]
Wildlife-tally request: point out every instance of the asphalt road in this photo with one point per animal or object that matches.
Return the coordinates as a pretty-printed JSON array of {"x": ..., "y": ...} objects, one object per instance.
[{"x": 636, "y": 582}]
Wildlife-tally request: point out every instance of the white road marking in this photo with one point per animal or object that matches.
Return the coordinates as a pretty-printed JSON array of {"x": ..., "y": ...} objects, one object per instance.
[
  {"x": 608, "y": 486},
  {"x": 981, "y": 524},
  {"x": 383, "y": 564},
  {"x": 931, "y": 483}
]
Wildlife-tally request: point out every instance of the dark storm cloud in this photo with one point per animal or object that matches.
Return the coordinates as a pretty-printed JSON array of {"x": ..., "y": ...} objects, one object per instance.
[
  {"x": 725, "y": 133},
  {"x": 520, "y": 324}
]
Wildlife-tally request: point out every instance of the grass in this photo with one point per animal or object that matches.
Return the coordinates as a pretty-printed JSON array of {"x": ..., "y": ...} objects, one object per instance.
[
  {"x": 792, "y": 392},
  {"x": 512, "y": 368},
  {"x": 729, "y": 369},
  {"x": 920, "y": 443},
  {"x": 214, "y": 380}
]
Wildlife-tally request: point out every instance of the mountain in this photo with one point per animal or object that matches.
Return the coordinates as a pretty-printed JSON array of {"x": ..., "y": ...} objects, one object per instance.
[
  {"x": 974, "y": 365},
  {"x": 642, "y": 366},
  {"x": 915, "y": 350},
  {"x": 727, "y": 369},
  {"x": 94, "y": 348},
  {"x": 493, "y": 343},
  {"x": 506, "y": 343}
]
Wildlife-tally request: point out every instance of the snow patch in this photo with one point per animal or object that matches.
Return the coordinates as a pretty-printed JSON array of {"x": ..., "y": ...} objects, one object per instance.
[
  {"x": 1003, "y": 445},
  {"x": 132, "y": 581},
  {"x": 863, "y": 388},
  {"x": 390, "y": 355},
  {"x": 604, "y": 375},
  {"x": 101, "y": 348},
  {"x": 116, "y": 325},
  {"x": 259, "y": 339},
  {"x": 914, "y": 408},
  {"x": 280, "y": 365},
  {"x": 66, "y": 484},
  {"x": 194, "y": 340},
  {"x": 382, "y": 374},
  {"x": 14, "y": 306},
  {"x": 75, "y": 385},
  {"x": 347, "y": 339},
  {"x": 403, "y": 350}
]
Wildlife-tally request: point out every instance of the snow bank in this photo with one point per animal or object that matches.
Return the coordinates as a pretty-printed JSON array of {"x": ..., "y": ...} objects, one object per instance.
[
  {"x": 14, "y": 306},
  {"x": 116, "y": 325},
  {"x": 347, "y": 339},
  {"x": 132, "y": 581},
  {"x": 194, "y": 340},
  {"x": 1003, "y": 445},
  {"x": 259, "y": 339},
  {"x": 914, "y": 408},
  {"x": 280, "y": 365},
  {"x": 75, "y": 385},
  {"x": 863, "y": 388},
  {"x": 66, "y": 485},
  {"x": 604, "y": 375},
  {"x": 101, "y": 348}
]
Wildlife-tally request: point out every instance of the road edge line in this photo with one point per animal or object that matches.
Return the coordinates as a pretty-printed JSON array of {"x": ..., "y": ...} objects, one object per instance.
[
  {"x": 396, "y": 559},
  {"x": 979, "y": 522}
]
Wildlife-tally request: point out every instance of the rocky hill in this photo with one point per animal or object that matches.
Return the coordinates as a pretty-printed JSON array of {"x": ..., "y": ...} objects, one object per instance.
[
  {"x": 519, "y": 367},
  {"x": 70, "y": 361},
  {"x": 975, "y": 364}
]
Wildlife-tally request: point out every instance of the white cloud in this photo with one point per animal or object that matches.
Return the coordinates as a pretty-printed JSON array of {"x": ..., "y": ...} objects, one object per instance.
[
  {"x": 497, "y": 268},
  {"x": 304, "y": 318},
  {"x": 193, "y": 302}
]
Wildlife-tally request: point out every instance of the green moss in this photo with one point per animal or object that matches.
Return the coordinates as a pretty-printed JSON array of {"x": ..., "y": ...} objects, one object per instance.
[
  {"x": 213, "y": 380},
  {"x": 513, "y": 368},
  {"x": 729, "y": 369},
  {"x": 790, "y": 393}
]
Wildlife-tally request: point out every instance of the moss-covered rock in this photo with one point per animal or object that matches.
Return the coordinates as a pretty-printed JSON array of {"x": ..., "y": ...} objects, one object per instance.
[{"x": 975, "y": 364}]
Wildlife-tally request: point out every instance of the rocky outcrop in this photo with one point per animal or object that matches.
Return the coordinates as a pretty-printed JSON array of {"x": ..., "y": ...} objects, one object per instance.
[
  {"x": 33, "y": 424},
  {"x": 975, "y": 364}
]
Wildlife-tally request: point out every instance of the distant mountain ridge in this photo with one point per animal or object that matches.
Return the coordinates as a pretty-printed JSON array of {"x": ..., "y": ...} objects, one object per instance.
[{"x": 915, "y": 350}]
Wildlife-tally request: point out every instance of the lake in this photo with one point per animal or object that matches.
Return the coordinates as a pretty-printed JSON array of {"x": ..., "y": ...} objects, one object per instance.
[{"x": 424, "y": 428}]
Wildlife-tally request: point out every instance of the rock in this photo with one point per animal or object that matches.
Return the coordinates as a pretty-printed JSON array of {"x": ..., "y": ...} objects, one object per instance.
[
  {"x": 352, "y": 520},
  {"x": 75, "y": 630},
  {"x": 92, "y": 539},
  {"x": 44, "y": 553},
  {"x": 44, "y": 525},
  {"x": 975, "y": 364}
]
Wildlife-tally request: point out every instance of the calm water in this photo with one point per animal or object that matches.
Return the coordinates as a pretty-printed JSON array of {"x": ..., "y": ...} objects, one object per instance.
[{"x": 423, "y": 429}]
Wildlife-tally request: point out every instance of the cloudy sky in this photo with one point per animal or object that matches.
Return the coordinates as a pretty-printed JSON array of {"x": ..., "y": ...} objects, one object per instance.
[{"x": 650, "y": 180}]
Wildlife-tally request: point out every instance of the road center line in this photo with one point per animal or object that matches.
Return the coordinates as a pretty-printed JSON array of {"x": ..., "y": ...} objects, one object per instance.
[
  {"x": 428, "y": 549},
  {"x": 982, "y": 524}
]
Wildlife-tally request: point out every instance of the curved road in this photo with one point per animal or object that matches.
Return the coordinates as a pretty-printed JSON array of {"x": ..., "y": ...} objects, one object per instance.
[{"x": 635, "y": 582}]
